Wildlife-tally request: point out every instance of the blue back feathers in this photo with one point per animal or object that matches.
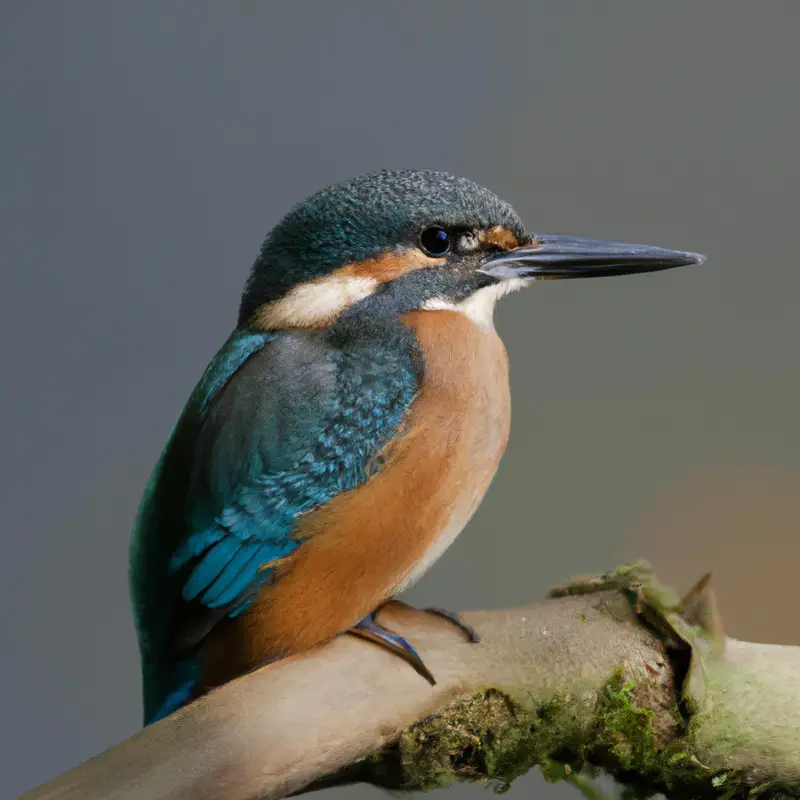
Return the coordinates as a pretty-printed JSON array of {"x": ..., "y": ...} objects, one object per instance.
[{"x": 278, "y": 425}]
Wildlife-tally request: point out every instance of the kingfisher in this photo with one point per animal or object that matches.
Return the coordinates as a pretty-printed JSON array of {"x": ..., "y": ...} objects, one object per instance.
[{"x": 347, "y": 430}]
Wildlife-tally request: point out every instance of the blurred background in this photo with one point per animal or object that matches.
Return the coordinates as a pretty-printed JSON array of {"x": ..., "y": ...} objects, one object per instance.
[{"x": 145, "y": 150}]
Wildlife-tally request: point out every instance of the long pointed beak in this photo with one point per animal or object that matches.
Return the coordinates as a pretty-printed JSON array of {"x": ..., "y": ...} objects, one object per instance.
[{"x": 575, "y": 257}]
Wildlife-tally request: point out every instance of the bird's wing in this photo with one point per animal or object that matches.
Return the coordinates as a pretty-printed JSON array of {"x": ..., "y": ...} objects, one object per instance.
[{"x": 301, "y": 420}]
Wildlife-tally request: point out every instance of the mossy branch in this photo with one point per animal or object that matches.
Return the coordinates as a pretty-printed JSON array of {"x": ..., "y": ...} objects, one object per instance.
[{"x": 611, "y": 674}]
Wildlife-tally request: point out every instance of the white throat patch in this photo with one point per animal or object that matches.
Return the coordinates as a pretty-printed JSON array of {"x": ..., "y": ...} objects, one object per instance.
[{"x": 479, "y": 306}]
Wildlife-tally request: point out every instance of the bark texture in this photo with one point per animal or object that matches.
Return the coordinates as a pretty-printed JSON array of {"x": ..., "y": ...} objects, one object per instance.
[{"x": 612, "y": 673}]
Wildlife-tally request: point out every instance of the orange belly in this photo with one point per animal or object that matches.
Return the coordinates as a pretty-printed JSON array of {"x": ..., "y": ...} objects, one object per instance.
[{"x": 368, "y": 544}]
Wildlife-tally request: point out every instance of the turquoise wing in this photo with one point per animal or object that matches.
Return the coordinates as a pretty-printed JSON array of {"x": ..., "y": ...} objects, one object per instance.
[{"x": 299, "y": 419}]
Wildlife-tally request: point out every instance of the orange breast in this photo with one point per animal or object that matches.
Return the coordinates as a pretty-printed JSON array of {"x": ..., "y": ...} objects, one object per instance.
[{"x": 367, "y": 544}]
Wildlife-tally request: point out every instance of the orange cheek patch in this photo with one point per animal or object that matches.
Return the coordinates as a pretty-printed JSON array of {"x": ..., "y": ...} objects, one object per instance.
[
  {"x": 318, "y": 302},
  {"x": 499, "y": 236},
  {"x": 390, "y": 265}
]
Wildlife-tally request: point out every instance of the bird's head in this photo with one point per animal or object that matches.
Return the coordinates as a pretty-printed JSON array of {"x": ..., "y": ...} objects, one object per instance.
[{"x": 392, "y": 242}]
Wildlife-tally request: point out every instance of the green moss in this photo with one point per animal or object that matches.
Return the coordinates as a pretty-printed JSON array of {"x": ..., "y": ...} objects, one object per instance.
[
  {"x": 486, "y": 737},
  {"x": 625, "y": 577},
  {"x": 627, "y": 732},
  {"x": 626, "y": 728},
  {"x": 645, "y": 751},
  {"x": 490, "y": 738}
]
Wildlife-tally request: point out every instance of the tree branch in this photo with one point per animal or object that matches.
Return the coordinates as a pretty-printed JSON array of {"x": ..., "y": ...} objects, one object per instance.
[{"x": 610, "y": 673}]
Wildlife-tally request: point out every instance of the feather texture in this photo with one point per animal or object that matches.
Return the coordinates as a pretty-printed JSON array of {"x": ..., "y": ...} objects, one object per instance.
[{"x": 279, "y": 425}]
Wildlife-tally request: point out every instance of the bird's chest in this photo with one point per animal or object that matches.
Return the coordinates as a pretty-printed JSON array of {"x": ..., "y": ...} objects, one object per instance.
[{"x": 459, "y": 425}]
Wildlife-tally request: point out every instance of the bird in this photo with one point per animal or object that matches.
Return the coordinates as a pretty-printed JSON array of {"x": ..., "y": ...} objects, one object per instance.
[{"x": 346, "y": 431}]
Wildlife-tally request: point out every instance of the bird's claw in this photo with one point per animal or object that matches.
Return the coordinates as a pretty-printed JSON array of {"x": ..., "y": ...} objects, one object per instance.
[
  {"x": 450, "y": 616},
  {"x": 369, "y": 629},
  {"x": 471, "y": 633}
]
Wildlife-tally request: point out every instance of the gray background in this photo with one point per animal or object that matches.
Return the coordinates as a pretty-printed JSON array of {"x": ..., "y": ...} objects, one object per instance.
[{"x": 147, "y": 147}]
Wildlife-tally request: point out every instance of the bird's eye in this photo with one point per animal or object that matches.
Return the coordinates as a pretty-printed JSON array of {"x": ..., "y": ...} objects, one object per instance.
[{"x": 435, "y": 241}]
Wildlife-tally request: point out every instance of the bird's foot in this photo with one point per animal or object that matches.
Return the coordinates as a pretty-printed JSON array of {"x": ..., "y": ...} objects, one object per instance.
[
  {"x": 450, "y": 616},
  {"x": 471, "y": 633},
  {"x": 370, "y": 630}
]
